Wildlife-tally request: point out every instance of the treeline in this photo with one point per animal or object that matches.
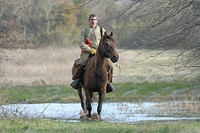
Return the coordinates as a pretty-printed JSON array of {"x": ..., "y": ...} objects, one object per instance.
[
  {"x": 136, "y": 24},
  {"x": 165, "y": 24},
  {"x": 40, "y": 22}
]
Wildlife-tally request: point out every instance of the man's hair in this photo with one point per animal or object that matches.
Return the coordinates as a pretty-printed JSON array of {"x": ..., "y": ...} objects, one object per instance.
[{"x": 92, "y": 16}]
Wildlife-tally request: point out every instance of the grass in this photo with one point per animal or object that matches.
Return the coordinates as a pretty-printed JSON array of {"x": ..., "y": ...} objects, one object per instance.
[
  {"x": 39, "y": 94},
  {"x": 125, "y": 92},
  {"x": 42, "y": 125},
  {"x": 52, "y": 66},
  {"x": 151, "y": 92}
]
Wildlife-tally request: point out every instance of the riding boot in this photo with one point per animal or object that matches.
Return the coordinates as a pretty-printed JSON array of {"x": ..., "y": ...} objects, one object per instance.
[
  {"x": 110, "y": 87},
  {"x": 75, "y": 83}
]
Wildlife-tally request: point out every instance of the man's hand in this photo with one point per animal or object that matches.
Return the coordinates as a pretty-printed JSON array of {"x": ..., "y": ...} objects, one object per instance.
[{"x": 92, "y": 51}]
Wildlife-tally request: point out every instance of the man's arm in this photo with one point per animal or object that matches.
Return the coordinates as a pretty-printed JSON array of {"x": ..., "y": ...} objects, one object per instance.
[
  {"x": 82, "y": 43},
  {"x": 85, "y": 43}
]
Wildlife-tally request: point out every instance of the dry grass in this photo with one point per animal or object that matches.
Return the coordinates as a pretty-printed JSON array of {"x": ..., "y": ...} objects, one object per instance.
[
  {"x": 150, "y": 66},
  {"x": 51, "y": 66},
  {"x": 39, "y": 66}
]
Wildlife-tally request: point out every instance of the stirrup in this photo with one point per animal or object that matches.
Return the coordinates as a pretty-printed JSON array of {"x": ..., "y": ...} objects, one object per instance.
[
  {"x": 110, "y": 87},
  {"x": 75, "y": 83}
]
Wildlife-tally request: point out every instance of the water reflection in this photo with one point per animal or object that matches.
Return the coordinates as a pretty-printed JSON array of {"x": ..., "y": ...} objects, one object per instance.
[{"x": 111, "y": 112}]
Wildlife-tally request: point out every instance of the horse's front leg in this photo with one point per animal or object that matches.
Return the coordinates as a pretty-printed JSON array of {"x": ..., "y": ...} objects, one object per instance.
[
  {"x": 88, "y": 103},
  {"x": 101, "y": 97}
]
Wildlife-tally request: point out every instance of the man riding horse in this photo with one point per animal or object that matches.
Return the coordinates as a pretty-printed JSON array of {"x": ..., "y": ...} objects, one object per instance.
[{"x": 89, "y": 41}]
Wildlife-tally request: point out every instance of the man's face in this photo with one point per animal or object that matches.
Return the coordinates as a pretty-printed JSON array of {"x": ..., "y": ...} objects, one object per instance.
[{"x": 93, "y": 22}]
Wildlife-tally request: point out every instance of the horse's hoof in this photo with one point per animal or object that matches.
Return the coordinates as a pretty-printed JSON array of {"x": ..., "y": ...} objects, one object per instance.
[{"x": 95, "y": 116}]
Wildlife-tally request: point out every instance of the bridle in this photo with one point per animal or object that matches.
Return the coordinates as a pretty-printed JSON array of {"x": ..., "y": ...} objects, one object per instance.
[{"x": 106, "y": 51}]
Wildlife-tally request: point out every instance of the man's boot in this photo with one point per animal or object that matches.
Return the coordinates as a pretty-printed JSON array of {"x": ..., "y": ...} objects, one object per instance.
[
  {"x": 110, "y": 87},
  {"x": 75, "y": 83}
]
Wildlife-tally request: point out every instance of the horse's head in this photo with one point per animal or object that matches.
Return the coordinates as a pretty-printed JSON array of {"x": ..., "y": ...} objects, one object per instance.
[{"x": 108, "y": 47}]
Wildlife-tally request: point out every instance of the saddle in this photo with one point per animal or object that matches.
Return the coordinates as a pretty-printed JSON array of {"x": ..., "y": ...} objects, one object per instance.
[{"x": 78, "y": 69}]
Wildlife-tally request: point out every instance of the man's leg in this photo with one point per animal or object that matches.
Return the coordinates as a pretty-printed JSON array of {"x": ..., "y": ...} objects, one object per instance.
[
  {"x": 109, "y": 86},
  {"x": 78, "y": 68},
  {"x": 77, "y": 73}
]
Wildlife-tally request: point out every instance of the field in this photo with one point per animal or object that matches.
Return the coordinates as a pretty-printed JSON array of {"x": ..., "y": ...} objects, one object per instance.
[
  {"x": 43, "y": 76},
  {"x": 52, "y": 66}
]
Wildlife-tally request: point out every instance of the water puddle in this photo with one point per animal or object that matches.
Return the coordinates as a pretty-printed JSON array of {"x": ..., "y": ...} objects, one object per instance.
[{"x": 111, "y": 112}]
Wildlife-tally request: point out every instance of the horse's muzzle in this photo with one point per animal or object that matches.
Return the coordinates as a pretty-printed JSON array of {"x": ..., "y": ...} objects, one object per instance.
[{"x": 114, "y": 58}]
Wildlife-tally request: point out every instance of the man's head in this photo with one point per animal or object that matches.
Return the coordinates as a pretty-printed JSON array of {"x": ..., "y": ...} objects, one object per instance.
[{"x": 92, "y": 20}]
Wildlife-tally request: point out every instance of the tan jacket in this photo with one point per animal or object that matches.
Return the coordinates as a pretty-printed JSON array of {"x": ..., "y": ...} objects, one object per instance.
[{"x": 94, "y": 35}]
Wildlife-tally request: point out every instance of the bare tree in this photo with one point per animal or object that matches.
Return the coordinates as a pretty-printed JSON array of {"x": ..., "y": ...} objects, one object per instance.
[{"x": 166, "y": 24}]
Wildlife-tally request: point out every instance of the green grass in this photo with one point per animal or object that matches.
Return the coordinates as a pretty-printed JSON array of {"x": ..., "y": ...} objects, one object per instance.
[
  {"x": 39, "y": 94},
  {"x": 140, "y": 92},
  {"x": 125, "y": 92},
  {"x": 41, "y": 125}
]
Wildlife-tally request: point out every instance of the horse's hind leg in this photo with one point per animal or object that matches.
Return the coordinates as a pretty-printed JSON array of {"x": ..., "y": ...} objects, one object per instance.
[
  {"x": 82, "y": 99},
  {"x": 88, "y": 104}
]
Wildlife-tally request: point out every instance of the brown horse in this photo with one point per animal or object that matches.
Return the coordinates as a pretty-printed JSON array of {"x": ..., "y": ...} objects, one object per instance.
[{"x": 95, "y": 77}]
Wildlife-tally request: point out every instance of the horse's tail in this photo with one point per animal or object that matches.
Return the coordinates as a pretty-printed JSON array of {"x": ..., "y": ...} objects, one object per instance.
[
  {"x": 93, "y": 97},
  {"x": 80, "y": 93}
]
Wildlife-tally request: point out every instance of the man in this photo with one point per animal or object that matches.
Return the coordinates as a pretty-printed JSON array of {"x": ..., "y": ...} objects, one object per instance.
[{"x": 89, "y": 41}]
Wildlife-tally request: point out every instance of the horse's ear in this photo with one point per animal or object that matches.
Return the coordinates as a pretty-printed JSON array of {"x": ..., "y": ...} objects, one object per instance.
[
  {"x": 111, "y": 33},
  {"x": 105, "y": 34}
]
